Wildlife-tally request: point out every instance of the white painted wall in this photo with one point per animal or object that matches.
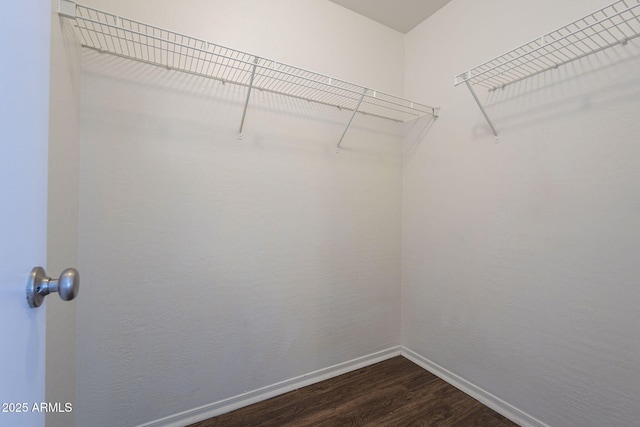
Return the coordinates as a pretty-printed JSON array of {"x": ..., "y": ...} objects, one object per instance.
[
  {"x": 62, "y": 229},
  {"x": 213, "y": 266},
  {"x": 520, "y": 269}
]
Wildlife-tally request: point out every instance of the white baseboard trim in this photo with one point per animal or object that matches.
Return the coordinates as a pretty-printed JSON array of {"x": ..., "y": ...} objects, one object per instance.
[
  {"x": 500, "y": 406},
  {"x": 244, "y": 399},
  {"x": 226, "y": 405}
]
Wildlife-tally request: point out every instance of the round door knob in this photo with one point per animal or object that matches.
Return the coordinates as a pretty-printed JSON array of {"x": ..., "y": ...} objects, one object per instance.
[
  {"x": 68, "y": 284},
  {"x": 40, "y": 285}
]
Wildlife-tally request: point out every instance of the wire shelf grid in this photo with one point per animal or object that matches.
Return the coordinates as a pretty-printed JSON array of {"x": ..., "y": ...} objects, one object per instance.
[
  {"x": 135, "y": 40},
  {"x": 614, "y": 24}
]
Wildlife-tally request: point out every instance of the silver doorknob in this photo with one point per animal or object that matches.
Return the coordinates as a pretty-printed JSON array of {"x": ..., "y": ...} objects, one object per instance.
[{"x": 40, "y": 285}]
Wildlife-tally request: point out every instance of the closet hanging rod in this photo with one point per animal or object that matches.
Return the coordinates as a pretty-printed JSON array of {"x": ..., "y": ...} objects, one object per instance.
[
  {"x": 109, "y": 33},
  {"x": 614, "y": 24}
]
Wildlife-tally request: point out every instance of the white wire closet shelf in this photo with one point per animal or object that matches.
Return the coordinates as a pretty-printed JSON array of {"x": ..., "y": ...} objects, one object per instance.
[
  {"x": 612, "y": 25},
  {"x": 134, "y": 40}
]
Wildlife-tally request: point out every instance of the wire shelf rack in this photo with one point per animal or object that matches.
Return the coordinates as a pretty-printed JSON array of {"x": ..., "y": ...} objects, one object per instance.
[
  {"x": 612, "y": 25},
  {"x": 142, "y": 42}
]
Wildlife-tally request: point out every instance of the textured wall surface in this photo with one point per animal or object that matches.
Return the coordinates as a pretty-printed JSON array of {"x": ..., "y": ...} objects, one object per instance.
[
  {"x": 520, "y": 269},
  {"x": 213, "y": 266},
  {"x": 62, "y": 228}
]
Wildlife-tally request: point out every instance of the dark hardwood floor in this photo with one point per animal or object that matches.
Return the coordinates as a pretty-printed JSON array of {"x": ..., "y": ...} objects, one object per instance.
[{"x": 395, "y": 392}]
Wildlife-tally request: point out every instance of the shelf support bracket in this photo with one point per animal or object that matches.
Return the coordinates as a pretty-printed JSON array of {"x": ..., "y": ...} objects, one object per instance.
[
  {"x": 484, "y": 113},
  {"x": 246, "y": 102},
  {"x": 355, "y": 111},
  {"x": 67, "y": 8}
]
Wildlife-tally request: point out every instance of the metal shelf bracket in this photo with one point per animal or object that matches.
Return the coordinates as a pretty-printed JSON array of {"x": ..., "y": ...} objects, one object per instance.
[
  {"x": 484, "y": 112},
  {"x": 353, "y": 115},
  {"x": 246, "y": 102},
  {"x": 67, "y": 8}
]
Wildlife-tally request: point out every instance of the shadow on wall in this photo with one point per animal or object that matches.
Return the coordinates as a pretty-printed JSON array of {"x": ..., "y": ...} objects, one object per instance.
[
  {"x": 415, "y": 132},
  {"x": 265, "y": 108},
  {"x": 610, "y": 76}
]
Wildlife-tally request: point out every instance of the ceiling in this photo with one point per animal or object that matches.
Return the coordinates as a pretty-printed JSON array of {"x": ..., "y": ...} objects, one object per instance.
[{"x": 401, "y": 15}]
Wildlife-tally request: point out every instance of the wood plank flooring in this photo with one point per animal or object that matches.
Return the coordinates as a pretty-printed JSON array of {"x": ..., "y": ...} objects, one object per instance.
[{"x": 395, "y": 392}]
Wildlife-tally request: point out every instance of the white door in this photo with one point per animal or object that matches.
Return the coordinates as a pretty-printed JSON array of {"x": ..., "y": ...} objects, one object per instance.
[{"x": 24, "y": 105}]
